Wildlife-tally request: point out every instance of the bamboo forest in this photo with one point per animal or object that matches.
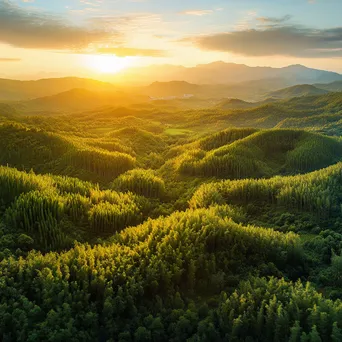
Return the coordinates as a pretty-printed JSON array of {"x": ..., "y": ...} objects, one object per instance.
[{"x": 169, "y": 220}]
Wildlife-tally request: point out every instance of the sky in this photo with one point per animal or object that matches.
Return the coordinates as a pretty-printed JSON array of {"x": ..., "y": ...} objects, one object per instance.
[{"x": 45, "y": 38}]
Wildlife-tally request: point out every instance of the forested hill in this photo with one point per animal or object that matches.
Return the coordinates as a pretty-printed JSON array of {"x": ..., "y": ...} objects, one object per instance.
[
  {"x": 172, "y": 220},
  {"x": 297, "y": 91}
]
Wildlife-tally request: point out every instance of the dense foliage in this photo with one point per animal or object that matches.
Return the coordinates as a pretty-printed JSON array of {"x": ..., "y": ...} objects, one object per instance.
[
  {"x": 164, "y": 222},
  {"x": 261, "y": 154},
  {"x": 318, "y": 193},
  {"x": 141, "y": 182},
  {"x": 54, "y": 211}
]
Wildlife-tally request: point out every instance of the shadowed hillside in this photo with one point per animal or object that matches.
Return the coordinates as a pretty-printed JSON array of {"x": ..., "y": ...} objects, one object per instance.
[
  {"x": 297, "y": 91},
  {"x": 260, "y": 154},
  {"x": 310, "y": 202},
  {"x": 334, "y": 86},
  {"x": 51, "y": 153},
  {"x": 236, "y": 104}
]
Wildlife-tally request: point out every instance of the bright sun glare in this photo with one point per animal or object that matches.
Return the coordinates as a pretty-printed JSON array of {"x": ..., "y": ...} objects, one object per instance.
[{"x": 108, "y": 64}]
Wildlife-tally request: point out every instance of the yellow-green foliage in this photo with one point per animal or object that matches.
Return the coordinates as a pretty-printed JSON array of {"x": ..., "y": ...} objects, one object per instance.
[
  {"x": 198, "y": 250},
  {"x": 261, "y": 154},
  {"x": 141, "y": 182},
  {"x": 77, "y": 207},
  {"x": 111, "y": 145},
  {"x": 53, "y": 210},
  {"x": 30, "y": 148},
  {"x": 318, "y": 192},
  {"x": 38, "y": 214},
  {"x": 225, "y": 137},
  {"x": 311, "y": 154},
  {"x": 213, "y": 141},
  {"x": 81, "y": 262},
  {"x": 13, "y": 183},
  {"x": 66, "y": 185},
  {"x": 141, "y": 141},
  {"x": 109, "y": 218},
  {"x": 278, "y": 310},
  {"x": 103, "y": 164}
]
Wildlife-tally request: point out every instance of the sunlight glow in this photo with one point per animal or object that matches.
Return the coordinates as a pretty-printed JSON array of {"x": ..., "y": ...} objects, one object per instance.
[{"x": 109, "y": 64}]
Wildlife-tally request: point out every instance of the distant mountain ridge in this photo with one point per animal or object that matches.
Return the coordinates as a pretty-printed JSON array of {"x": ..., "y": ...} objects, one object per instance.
[
  {"x": 218, "y": 79},
  {"x": 16, "y": 90},
  {"x": 334, "y": 86},
  {"x": 227, "y": 73},
  {"x": 297, "y": 91},
  {"x": 80, "y": 99}
]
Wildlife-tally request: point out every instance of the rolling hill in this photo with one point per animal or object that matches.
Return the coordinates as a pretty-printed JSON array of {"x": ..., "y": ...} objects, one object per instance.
[
  {"x": 297, "y": 91},
  {"x": 15, "y": 90},
  {"x": 251, "y": 154},
  {"x": 80, "y": 99},
  {"x": 6, "y": 110},
  {"x": 45, "y": 152},
  {"x": 334, "y": 86},
  {"x": 170, "y": 223},
  {"x": 236, "y": 104}
]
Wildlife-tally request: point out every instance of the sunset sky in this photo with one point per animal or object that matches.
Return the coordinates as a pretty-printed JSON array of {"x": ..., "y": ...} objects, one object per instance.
[{"x": 41, "y": 38}]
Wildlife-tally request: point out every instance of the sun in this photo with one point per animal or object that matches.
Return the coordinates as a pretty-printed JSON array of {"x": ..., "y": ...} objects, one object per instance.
[{"x": 108, "y": 64}]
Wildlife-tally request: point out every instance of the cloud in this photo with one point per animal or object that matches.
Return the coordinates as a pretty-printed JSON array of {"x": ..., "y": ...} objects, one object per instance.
[
  {"x": 10, "y": 59},
  {"x": 276, "y": 40},
  {"x": 197, "y": 12},
  {"x": 132, "y": 21},
  {"x": 124, "y": 51},
  {"x": 272, "y": 20},
  {"x": 33, "y": 29}
]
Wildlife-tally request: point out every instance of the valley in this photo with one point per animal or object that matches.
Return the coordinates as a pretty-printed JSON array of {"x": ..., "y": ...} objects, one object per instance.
[{"x": 211, "y": 218}]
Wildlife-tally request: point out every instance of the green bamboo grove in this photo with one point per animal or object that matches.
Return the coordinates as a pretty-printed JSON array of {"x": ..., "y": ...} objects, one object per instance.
[
  {"x": 318, "y": 192},
  {"x": 104, "y": 165},
  {"x": 29, "y": 148},
  {"x": 141, "y": 182},
  {"x": 161, "y": 260},
  {"x": 38, "y": 215},
  {"x": 260, "y": 154},
  {"x": 56, "y": 210},
  {"x": 164, "y": 221}
]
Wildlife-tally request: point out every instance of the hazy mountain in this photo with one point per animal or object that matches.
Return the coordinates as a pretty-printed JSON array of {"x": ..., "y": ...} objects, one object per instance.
[
  {"x": 6, "y": 110},
  {"x": 334, "y": 86},
  {"x": 225, "y": 73},
  {"x": 297, "y": 91},
  {"x": 80, "y": 99},
  {"x": 212, "y": 80},
  {"x": 173, "y": 88},
  {"x": 14, "y": 90},
  {"x": 248, "y": 90},
  {"x": 236, "y": 104}
]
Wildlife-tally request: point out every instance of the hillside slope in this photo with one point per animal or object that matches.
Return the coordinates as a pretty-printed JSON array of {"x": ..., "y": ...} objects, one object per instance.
[
  {"x": 334, "y": 86},
  {"x": 297, "y": 91},
  {"x": 80, "y": 100},
  {"x": 44, "y": 152},
  {"x": 260, "y": 154}
]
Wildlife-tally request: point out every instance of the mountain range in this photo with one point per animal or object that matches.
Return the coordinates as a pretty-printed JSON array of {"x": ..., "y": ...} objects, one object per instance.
[
  {"x": 225, "y": 73},
  {"x": 214, "y": 81}
]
